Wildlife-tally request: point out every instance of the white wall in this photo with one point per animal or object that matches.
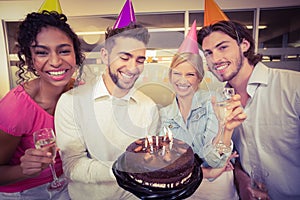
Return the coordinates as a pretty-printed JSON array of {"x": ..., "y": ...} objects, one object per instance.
[
  {"x": 15, "y": 9},
  {"x": 11, "y": 10},
  {"x": 4, "y": 78}
]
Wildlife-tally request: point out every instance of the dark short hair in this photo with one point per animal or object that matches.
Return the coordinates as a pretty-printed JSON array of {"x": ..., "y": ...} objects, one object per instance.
[
  {"x": 27, "y": 33},
  {"x": 133, "y": 30},
  {"x": 236, "y": 31}
]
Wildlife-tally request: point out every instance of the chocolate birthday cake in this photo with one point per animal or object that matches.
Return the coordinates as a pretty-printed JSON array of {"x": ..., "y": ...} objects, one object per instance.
[{"x": 159, "y": 162}]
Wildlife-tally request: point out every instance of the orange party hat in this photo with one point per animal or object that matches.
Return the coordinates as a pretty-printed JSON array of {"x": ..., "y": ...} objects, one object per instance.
[
  {"x": 213, "y": 13},
  {"x": 51, "y": 5},
  {"x": 126, "y": 15},
  {"x": 190, "y": 43}
]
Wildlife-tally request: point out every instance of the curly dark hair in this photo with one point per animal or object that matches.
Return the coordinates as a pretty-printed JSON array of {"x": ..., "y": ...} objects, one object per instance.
[
  {"x": 133, "y": 30},
  {"x": 236, "y": 31},
  {"x": 27, "y": 33}
]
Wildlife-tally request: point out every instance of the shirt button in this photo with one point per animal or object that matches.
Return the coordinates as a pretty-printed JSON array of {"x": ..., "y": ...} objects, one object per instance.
[{"x": 170, "y": 126}]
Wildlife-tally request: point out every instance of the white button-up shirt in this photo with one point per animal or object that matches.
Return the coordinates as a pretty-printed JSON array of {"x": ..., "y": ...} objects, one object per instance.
[
  {"x": 270, "y": 136},
  {"x": 93, "y": 129}
]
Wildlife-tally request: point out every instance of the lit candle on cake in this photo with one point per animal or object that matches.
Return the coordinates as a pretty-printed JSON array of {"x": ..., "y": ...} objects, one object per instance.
[
  {"x": 166, "y": 133},
  {"x": 170, "y": 134},
  {"x": 163, "y": 150},
  {"x": 156, "y": 138},
  {"x": 150, "y": 143},
  {"x": 171, "y": 145},
  {"x": 146, "y": 142}
]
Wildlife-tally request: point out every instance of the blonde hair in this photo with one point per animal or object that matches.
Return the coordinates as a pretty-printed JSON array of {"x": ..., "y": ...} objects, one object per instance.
[{"x": 194, "y": 59}]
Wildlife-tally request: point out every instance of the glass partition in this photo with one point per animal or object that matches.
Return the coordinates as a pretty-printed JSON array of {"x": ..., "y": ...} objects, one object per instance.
[
  {"x": 279, "y": 41},
  {"x": 279, "y": 36}
]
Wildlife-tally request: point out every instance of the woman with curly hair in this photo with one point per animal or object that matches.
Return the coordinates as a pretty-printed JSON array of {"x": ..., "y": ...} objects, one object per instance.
[{"x": 50, "y": 51}]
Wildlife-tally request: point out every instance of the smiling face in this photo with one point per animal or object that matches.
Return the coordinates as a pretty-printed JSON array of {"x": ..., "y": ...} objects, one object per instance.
[
  {"x": 184, "y": 79},
  {"x": 53, "y": 56},
  {"x": 223, "y": 55},
  {"x": 126, "y": 62}
]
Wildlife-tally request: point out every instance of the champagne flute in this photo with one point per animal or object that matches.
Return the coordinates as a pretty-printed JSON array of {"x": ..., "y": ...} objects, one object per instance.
[
  {"x": 46, "y": 138},
  {"x": 223, "y": 97},
  {"x": 259, "y": 178}
]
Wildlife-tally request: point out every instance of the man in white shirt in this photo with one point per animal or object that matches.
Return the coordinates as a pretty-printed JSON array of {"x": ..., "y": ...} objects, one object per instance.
[
  {"x": 98, "y": 120},
  {"x": 269, "y": 137}
]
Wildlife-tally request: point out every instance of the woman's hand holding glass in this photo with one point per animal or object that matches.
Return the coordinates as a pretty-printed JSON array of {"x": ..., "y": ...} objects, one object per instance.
[
  {"x": 230, "y": 114},
  {"x": 44, "y": 139},
  {"x": 34, "y": 161}
]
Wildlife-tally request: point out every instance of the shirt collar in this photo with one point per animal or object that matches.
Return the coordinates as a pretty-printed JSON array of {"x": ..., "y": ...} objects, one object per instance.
[
  {"x": 100, "y": 91},
  {"x": 259, "y": 75},
  {"x": 174, "y": 112},
  {"x": 199, "y": 99}
]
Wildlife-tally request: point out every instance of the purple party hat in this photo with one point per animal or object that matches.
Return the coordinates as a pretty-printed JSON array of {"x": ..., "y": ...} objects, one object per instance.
[{"x": 126, "y": 15}]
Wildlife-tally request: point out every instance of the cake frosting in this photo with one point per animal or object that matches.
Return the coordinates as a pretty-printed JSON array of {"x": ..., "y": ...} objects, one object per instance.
[{"x": 159, "y": 161}]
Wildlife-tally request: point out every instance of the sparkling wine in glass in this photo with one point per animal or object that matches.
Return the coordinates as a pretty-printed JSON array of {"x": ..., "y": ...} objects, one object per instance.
[
  {"x": 259, "y": 177},
  {"x": 223, "y": 97},
  {"x": 45, "y": 138}
]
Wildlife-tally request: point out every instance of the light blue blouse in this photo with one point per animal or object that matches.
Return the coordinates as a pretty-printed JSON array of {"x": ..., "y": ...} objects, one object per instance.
[{"x": 199, "y": 130}]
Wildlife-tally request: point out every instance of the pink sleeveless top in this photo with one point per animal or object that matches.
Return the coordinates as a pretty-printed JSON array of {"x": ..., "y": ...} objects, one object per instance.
[{"x": 20, "y": 116}]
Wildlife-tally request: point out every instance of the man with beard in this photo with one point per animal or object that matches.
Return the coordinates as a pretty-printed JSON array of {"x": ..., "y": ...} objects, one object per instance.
[
  {"x": 96, "y": 122},
  {"x": 269, "y": 137}
]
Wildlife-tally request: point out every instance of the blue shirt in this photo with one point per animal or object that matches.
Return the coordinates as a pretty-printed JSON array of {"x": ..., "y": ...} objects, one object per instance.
[{"x": 200, "y": 128}]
